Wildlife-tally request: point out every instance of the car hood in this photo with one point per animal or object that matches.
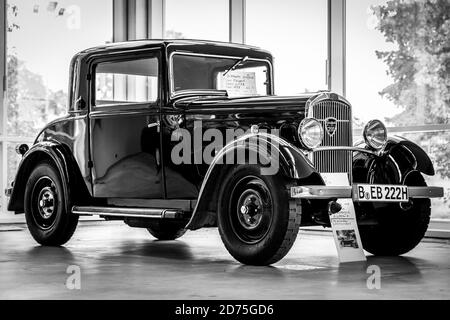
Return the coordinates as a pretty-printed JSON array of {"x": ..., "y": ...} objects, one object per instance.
[{"x": 297, "y": 103}]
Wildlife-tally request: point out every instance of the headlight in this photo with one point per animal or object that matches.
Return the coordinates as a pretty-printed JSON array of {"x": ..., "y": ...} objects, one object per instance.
[
  {"x": 310, "y": 133},
  {"x": 375, "y": 134}
]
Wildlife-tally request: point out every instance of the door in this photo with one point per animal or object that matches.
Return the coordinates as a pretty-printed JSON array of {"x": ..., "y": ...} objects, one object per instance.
[{"x": 124, "y": 127}]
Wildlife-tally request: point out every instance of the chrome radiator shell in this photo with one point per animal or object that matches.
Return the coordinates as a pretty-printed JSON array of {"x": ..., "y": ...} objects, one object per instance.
[{"x": 339, "y": 161}]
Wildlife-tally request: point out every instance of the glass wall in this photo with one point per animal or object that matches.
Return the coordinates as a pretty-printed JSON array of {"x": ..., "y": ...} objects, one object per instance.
[
  {"x": 396, "y": 59},
  {"x": 398, "y": 72},
  {"x": 197, "y": 19},
  {"x": 42, "y": 37},
  {"x": 295, "y": 32}
]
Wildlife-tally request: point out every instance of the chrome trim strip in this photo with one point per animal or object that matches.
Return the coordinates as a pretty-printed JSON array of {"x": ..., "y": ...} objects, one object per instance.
[
  {"x": 325, "y": 95},
  {"x": 327, "y": 192},
  {"x": 425, "y": 192},
  {"x": 171, "y": 83},
  {"x": 321, "y": 192},
  {"x": 343, "y": 148},
  {"x": 126, "y": 212}
]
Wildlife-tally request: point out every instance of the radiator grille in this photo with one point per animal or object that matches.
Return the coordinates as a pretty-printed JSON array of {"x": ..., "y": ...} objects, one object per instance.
[{"x": 334, "y": 160}]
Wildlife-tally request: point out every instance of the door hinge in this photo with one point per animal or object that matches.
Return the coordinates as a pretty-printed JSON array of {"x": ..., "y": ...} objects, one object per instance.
[{"x": 90, "y": 164}]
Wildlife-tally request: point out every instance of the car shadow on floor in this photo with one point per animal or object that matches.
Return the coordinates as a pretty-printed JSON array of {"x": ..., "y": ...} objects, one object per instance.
[
  {"x": 50, "y": 254},
  {"x": 182, "y": 252},
  {"x": 396, "y": 269},
  {"x": 254, "y": 272},
  {"x": 175, "y": 250}
]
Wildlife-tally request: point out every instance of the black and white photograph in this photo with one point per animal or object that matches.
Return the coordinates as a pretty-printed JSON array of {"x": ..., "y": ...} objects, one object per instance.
[
  {"x": 206, "y": 154},
  {"x": 347, "y": 239}
]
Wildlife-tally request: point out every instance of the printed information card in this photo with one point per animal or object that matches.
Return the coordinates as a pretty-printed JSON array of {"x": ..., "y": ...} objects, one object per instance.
[
  {"x": 238, "y": 83},
  {"x": 344, "y": 225}
]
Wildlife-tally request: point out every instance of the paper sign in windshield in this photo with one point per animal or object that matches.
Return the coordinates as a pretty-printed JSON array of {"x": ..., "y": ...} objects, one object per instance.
[{"x": 238, "y": 83}]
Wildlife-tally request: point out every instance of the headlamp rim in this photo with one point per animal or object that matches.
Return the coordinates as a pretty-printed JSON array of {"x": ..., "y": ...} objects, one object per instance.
[
  {"x": 369, "y": 142},
  {"x": 304, "y": 122}
]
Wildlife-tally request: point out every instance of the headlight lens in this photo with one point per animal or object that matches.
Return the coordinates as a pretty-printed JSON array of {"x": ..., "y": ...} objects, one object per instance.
[
  {"x": 310, "y": 133},
  {"x": 375, "y": 134}
]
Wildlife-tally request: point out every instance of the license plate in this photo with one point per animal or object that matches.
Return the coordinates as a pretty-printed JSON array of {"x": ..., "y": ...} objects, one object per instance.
[{"x": 380, "y": 193}]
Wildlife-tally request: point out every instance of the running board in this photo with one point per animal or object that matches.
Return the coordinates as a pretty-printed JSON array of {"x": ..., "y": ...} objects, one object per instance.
[{"x": 148, "y": 213}]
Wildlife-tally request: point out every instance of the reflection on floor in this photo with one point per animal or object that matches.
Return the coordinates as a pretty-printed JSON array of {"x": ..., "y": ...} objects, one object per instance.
[{"x": 118, "y": 262}]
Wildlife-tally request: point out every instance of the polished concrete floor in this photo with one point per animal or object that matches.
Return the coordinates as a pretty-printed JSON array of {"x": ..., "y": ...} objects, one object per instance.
[{"x": 117, "y": 262}]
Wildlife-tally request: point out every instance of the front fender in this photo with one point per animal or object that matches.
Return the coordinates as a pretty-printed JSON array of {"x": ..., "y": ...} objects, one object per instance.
[
  {"x": 48, "y": 150},
  {"x": 284, "y": 159},
  {"x": 399, "y": 157},
  {"x": 405, "y": 150}
]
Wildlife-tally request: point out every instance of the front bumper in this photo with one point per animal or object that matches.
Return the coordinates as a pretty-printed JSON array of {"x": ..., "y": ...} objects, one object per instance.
[{"x": 349, "y": 192}]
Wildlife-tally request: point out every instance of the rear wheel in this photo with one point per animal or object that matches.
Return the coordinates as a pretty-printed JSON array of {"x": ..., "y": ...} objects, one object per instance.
[
  {"x": 47, "y": 209},
  {"x": 255, "y": 223}
]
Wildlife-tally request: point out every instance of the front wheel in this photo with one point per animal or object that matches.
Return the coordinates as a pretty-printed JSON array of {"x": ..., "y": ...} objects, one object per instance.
[
  {"x": 255, "y": 223},
  {"x": 47, "y": 212},
  {"x": 399, "y": 227}
]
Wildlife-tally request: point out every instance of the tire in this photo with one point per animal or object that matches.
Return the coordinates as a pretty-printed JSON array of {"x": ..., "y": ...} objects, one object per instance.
[
  {"x": 163, "y": 230},
  {"x": 47, "y": 208},
  {"x": 255, "y": 223},
  {"x": 398, "y": 230}
]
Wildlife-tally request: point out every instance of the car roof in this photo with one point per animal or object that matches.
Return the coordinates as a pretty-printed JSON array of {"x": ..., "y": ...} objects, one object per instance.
[{"x": 193, "y": 45}]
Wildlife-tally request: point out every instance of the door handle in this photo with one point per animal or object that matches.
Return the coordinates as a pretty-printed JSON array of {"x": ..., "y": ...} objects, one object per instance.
[{"x": 156, "y": 124}]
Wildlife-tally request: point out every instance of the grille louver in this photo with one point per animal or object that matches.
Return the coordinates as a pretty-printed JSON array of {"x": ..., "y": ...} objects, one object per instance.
[{"x": 334, "y": 160}]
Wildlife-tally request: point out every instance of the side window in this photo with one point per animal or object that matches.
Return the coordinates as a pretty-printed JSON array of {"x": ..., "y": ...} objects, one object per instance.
[{"x": 126, "y": 81}]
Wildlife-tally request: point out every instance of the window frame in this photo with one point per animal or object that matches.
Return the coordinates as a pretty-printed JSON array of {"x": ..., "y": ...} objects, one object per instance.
[
  {"x": 173, "y": 93},
  {"x": 122, "y": 57}
]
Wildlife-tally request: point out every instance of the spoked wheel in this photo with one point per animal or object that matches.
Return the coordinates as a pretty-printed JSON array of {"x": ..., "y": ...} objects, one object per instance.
[
  {"x": 46, "y": 207},
  {"x": 254, "y": 220}
]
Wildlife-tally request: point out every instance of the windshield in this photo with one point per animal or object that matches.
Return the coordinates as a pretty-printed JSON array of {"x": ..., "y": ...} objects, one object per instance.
[{"x": 239, "y": 76}]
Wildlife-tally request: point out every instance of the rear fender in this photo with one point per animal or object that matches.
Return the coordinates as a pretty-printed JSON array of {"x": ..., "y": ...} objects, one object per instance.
[{"x": 43, "y": 151}]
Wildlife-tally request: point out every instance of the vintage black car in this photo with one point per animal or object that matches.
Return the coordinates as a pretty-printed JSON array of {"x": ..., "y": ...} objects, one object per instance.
[{"x": 175, "y": 135}]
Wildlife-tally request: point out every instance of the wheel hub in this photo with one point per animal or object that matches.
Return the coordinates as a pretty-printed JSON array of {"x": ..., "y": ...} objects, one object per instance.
[
  {"x": 250, "y": 209},
  {"x": 250, "y": 212},
  {"x": 46, "y": 202}
]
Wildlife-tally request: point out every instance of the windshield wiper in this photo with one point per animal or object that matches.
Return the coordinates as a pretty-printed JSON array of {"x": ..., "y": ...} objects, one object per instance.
[{"x": 234, "y": 66}]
